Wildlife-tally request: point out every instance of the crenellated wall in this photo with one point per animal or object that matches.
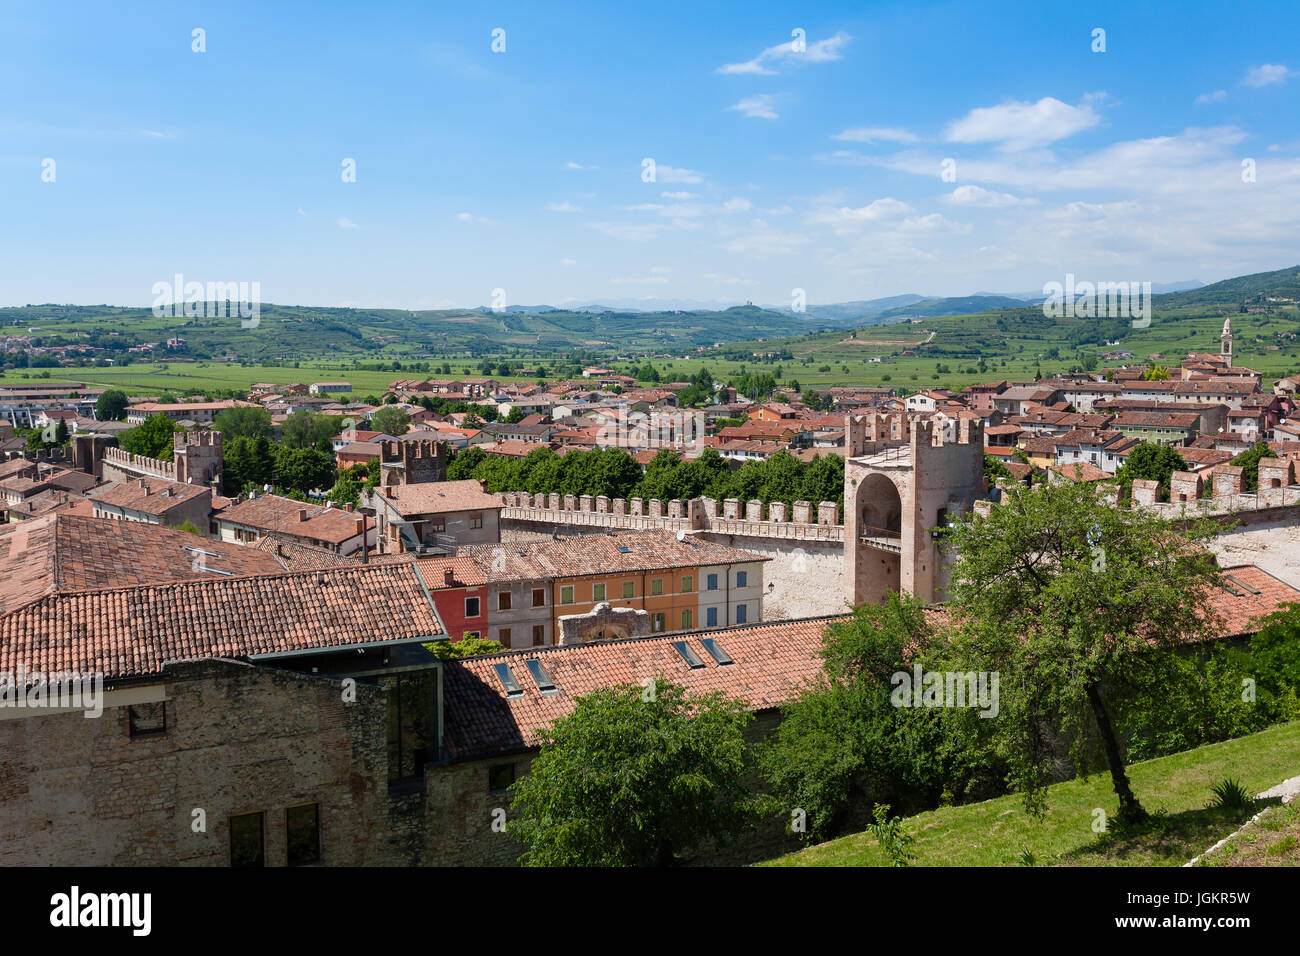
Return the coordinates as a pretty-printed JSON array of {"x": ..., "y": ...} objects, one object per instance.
[{"x": 730, "y": 516}]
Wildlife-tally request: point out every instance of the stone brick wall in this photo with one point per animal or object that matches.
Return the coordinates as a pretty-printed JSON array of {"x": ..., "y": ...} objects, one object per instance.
[{"x": 239, "y": 739}]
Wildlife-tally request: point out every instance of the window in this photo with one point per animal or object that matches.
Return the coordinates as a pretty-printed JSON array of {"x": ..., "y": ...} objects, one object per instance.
[
  {"x": 711, "y": 582},
  {"x": 246, "y": 844},
  {"x": 437, "y": 525},
  {"x": 500, "y": 777},
  {"x": 540, "y": 675},
  {"x": 742, "y": 613},
  {"x": 629, "y": 589},
  {"x": 716, "y": 652},
  {"x": 656, "y": 585},
  {"x": 507, "y": 678},
  {"x": 539, "y": 597},
  {"x": 148, "y": 720},
  {"x": 503, "y": 601},
  {"x": 468, "y": 634},
  {"x": 471, "y": 607},
  {"x": 742, "y": 579},
  {"x": 687, "y": 618},
  {"x": 412, "y": 723},
  {"x": 476, "y": 520},
  {"x": 598, "y": 592},
  {"x": 539, "y": 635},
  {"x": 688, "y": 654},
  {"x": 503, "y": 636},
  {"x": 688, "y": 584},
  {"x": 566, "y": 594},
  {"x": 302, "y": 825},
  {"x": 657, "y": 622},
  {"x": 711, "y": 617}
]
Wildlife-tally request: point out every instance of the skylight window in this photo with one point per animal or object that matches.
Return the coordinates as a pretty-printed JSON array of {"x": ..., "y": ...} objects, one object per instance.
[
  {"x": 624, "y": 550},
  {"x": 543, "y": 679},
  {"x": 1242, "y": 584},
  {"x": 688, "y": 654},
  {"x": 716, "y": 652},
  {"x": 508, "y": 681}
]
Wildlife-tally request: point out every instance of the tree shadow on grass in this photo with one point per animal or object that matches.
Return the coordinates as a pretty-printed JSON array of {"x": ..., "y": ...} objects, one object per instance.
[{"x": 1164, "y": 838}]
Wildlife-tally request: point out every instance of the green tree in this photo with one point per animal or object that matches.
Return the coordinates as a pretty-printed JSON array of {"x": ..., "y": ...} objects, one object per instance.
[
  {"x": 1067, "y": 597},
  {"x": 61, "y": 433},
  {"x": 635, "y": 777},
  {"x": 465, "y": 647},
  {"x": 242, "y": 421},
  {"x": 151, "y": 438},
  {"x": 247, "y": 461},
  {"x": 303, "y": 469},
  {"x": 464, "y": 463},
  {"x": 1248, "y": 461},
  {"x": 1153, "y": 462},
  {"x": 111, "y": 405},
  {"x": 308, "y": 429},
  {"x": 391, "y": 421}
]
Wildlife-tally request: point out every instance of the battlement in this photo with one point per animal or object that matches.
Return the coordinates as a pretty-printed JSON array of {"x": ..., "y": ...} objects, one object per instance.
[
  {"x": 412, "y": 462},
  {"x": 729, "y": 516}
]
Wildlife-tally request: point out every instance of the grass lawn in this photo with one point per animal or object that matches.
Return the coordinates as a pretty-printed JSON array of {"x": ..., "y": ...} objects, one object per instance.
[
  {"x": 1174, "y": 789},
  {"x": 1272, "y": 840}
]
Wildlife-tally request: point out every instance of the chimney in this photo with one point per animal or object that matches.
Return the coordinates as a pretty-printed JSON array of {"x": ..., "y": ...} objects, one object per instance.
[
  {"x": 482, "y": 483},
  {"x": 448, "y": 577},
  {"x": 302, "y": 514}
]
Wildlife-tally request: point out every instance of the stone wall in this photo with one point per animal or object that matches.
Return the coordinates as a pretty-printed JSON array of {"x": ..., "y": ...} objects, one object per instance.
[
  {"x": 804, "y": 521},
  {"x": 239, "y": 739},
  {"x": 121, "y": 465}
]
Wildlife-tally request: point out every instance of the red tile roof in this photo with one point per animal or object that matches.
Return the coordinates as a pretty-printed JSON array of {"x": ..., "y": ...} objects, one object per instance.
[
  {"x": 439, "y": 497},
  {"x": 772, "y": 662},
  {"x": 70, "y": 552},
  {"x": 135, "y": 632}
]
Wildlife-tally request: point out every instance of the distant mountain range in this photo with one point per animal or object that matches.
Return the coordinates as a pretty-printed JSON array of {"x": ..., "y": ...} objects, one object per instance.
[{"x": 883, "y": 310}]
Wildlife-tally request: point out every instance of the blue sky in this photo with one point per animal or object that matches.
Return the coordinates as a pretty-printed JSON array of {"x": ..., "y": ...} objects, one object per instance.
[{"x": 522, "y": 170}]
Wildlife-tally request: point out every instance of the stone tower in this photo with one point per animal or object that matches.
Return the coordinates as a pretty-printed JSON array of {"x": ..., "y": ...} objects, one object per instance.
[
  {"x": 412, "y": 462},
  {"x": 896, "y": 492},
  {"x": 198, "y": 457},
  {"x": 1225, "y": 349}
]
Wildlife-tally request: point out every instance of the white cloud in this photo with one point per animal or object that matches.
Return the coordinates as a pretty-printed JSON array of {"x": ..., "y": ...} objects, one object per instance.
[
  {"x": 565, "y": 206},
  {"x": 572, "y": 165},
  {"x": 822, "y": 51},
  {"x": 346, "y": 223},
  {"x": 934, "y": 222},
  {"x": 979, "y": 197},
  {"x": 567, "y": 263},
  {"x": 758, "y": 107},
  {"x": 465, "y": 216},
  {"x": 1205, "y": 99},
  {"x": 674, "y": 174},
  {"x": 1267, "y": 75},
  {"x": 872, "y": 212},
  {"x": 680, "y": 195},
  {"x": 876, "y": 134},
  {"x": 737, "y": 204},
  {"x": 727, "y": 280},
  {"x": 1017, "y": 125},
  {"x": 633, "y": 232}
]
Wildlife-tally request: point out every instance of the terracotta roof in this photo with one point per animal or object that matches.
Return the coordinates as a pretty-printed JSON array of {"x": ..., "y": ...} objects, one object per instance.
[
  {"x": 772, "y": 661},
  {"x": 1080, "y": 471},
  {"x": 618, "y": 552},
  {"x": 439, "y": 497},
  {"x": 135, "y": 632},
  {"x": 69, "y": 552},
  {"x": 1241, "y": 610},
  {"x": 285, "y": 515},
  {"x": 152, "y": 496}
]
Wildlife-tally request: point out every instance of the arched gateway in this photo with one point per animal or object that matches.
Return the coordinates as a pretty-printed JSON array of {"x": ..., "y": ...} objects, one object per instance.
[{"x": 896, "y": 493}]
